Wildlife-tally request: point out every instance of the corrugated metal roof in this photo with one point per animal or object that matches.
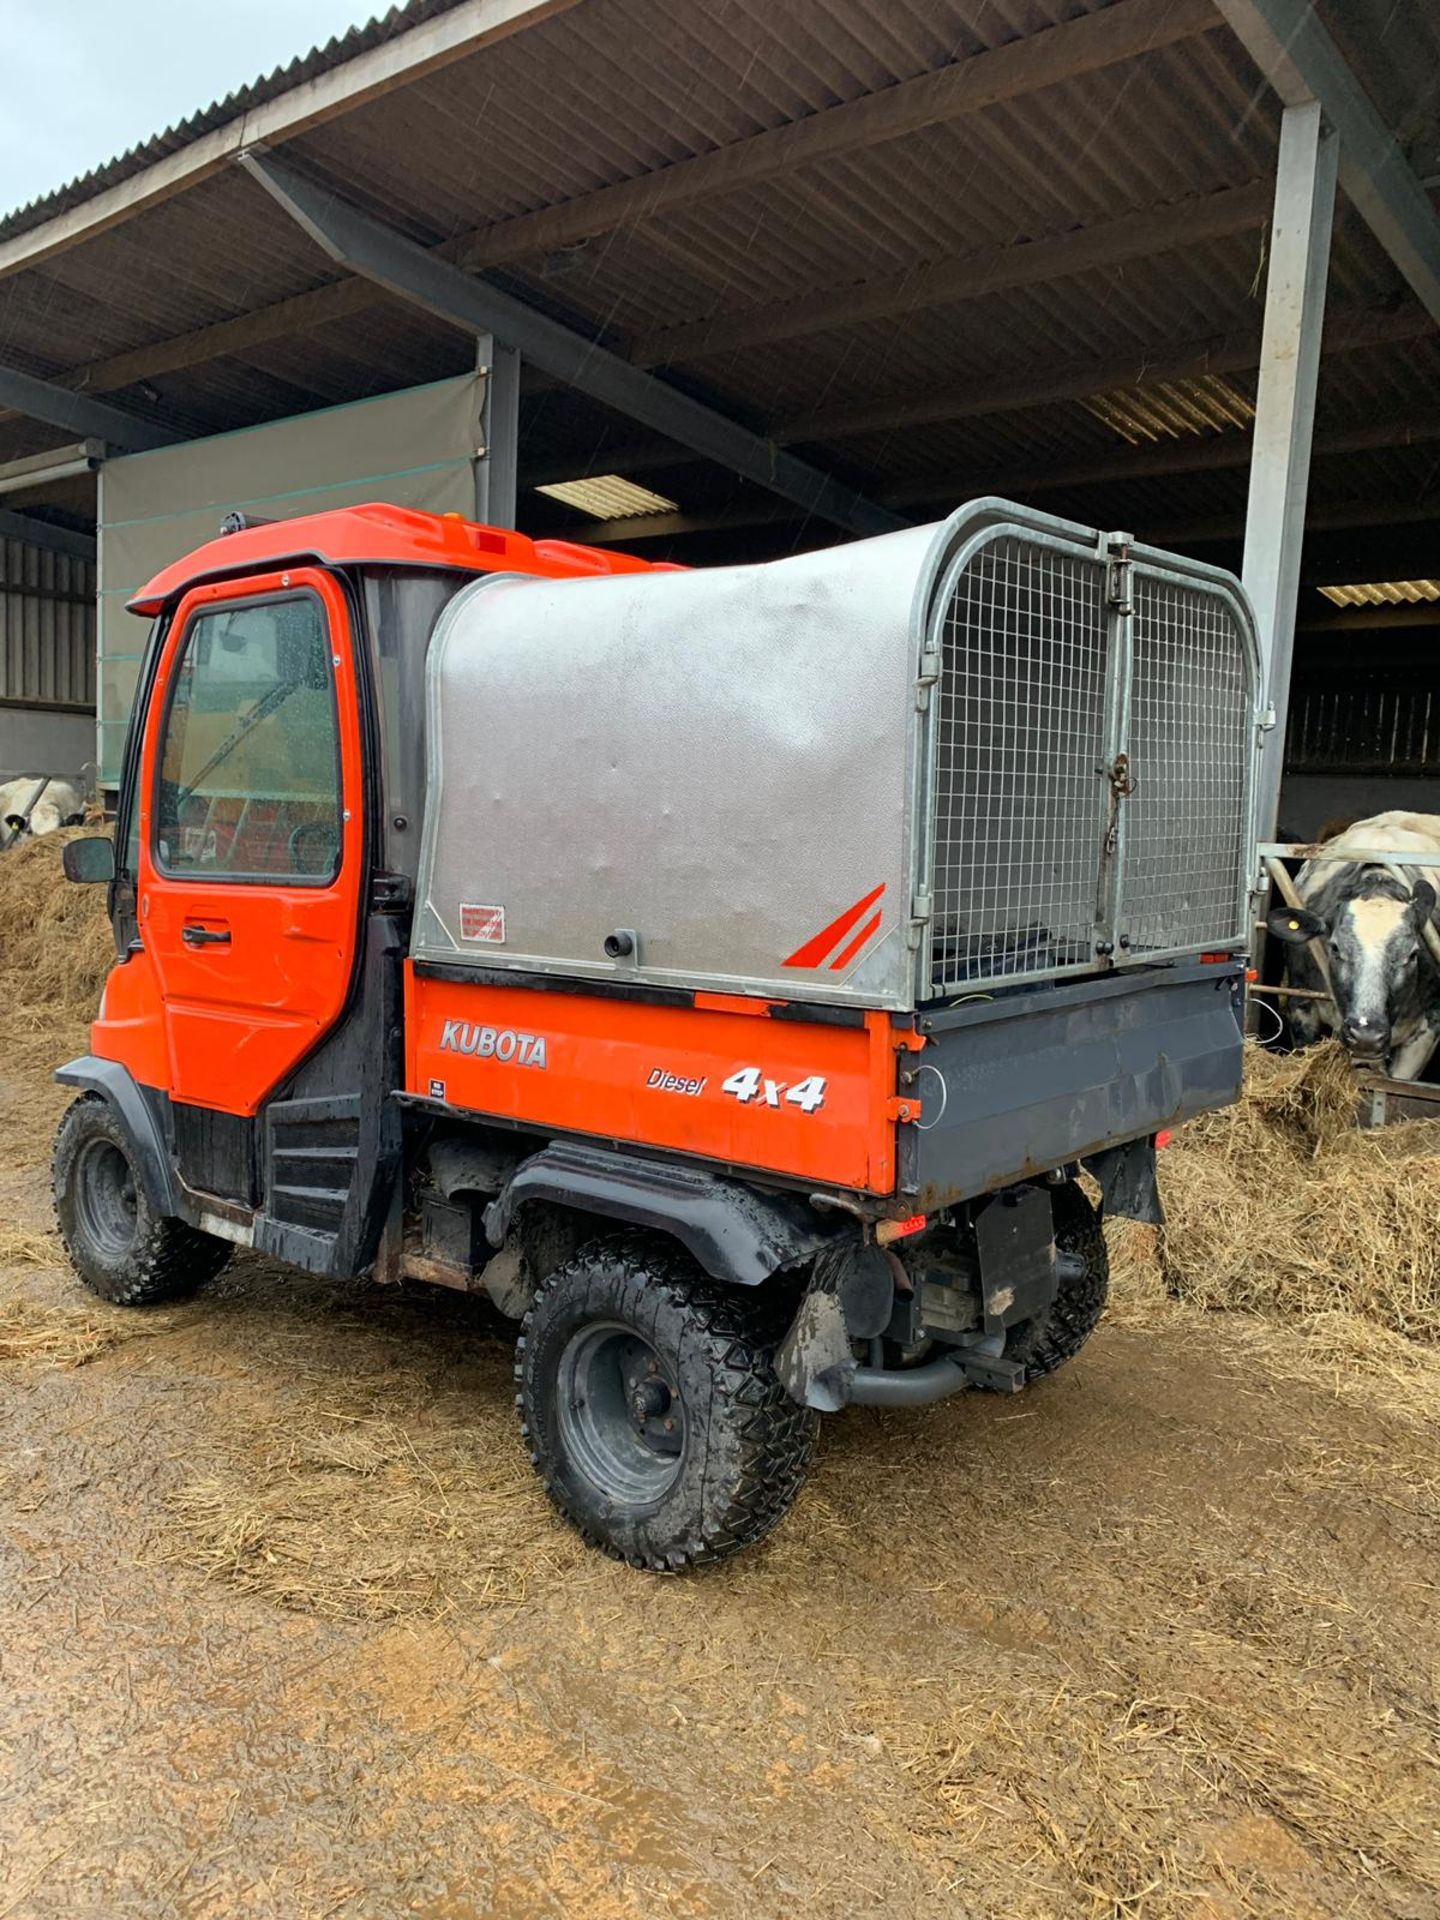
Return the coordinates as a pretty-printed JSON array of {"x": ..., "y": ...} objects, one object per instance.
[
  {"x": 616, "y": 90},
  {"x": 335, "y": 52}
]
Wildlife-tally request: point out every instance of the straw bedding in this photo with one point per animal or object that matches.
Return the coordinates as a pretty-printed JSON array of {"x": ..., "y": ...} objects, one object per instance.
[
  {"x": 1281, "y": 1206},
  {"x": 55, "y": 950}
]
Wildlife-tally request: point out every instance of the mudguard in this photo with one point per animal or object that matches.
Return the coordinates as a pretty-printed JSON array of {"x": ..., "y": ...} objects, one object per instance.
[
  {"x": 1128, "y": 1187},
  {"x": 733, "y": 1231},
  {"x": 117, "y": 1085}
]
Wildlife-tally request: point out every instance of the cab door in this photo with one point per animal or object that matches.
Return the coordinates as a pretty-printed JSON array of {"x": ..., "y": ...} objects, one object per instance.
[{"x": 251, "y": 832}]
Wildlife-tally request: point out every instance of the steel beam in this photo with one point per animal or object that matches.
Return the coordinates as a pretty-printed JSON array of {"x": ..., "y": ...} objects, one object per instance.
[
  {"x": 1212, "y": 455},
  {"x": 1345, "y": 331},
  {"x": 1088, "y": 44},
  {"x": 413, "y": 55},
  {"x": 1292, "y": 48},
  {"x": 1285, "y": 411},
  {"x": 364, "y": 246},
  {"x": 43, "y": 533},
  {"x": 1122, "y": 31},
  {"x": 1138, "y": 235},
  {"x": 77, "y": 413}
]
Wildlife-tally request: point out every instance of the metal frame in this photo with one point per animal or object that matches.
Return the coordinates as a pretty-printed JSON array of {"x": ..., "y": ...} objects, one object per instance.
[
  {"x": 497, "y": 460},
  {"x": 1285, "y": 410},
  {"x": 78, "y": 413},
  {"x": 999, "y": 520},
  {"x": 365, "y": 246},
  {"x": 1289, "y": 43},
  {"x": 1089, "y": 43}
]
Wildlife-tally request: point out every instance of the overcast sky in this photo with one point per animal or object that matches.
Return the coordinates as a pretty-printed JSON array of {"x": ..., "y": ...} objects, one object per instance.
[{"x": 82, "y": 80}]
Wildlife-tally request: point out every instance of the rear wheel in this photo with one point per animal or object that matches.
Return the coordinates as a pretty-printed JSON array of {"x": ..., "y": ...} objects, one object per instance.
[
  {"x": 652, "y": 1410},
  {"x": 120, "y": 1247},
  {"x": 1057, "y": 1335}
]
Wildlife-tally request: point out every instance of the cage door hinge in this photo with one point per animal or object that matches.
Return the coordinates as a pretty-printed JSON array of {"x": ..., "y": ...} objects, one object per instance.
[
  {"x": 929, "y": 673},
  {"x": 922, "y": 906},
  {"x": 1115, "y": 551}
]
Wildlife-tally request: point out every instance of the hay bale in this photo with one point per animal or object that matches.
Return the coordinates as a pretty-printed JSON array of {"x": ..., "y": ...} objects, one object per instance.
[
  {"x": 55, "y": 951},
  {"x": 1280, "y": 1205},
  {"x": 55, "y": 941}
]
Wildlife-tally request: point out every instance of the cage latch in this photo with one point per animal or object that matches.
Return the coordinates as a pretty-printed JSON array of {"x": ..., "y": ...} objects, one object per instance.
[
  {"x": 1122, "y": 785},
  {"x": 1115, "y": 548}
]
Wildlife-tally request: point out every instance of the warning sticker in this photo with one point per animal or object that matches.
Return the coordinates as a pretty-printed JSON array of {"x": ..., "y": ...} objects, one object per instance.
[{"x": 483, "y": 923}]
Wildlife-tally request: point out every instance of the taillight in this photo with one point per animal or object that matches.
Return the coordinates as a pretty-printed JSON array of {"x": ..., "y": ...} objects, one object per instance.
[
  {"x": 1164, "y": 1137},
  {"x": 889, "y": 1230}
]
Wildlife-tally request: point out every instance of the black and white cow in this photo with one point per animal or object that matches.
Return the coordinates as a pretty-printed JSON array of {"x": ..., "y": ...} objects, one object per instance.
[
  {"x": 1373, "y": 921},
  {"x": 59, "y": 805}
]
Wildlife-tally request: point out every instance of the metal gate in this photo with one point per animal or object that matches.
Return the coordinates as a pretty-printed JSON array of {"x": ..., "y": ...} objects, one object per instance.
[{"x": 1089, "y": 742}]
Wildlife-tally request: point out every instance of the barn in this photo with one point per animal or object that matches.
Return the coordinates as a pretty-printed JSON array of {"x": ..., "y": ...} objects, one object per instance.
[{"x": 729, "y": 282}]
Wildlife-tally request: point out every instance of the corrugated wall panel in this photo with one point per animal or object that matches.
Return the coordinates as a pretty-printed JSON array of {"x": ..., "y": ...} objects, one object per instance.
[{"x": 47, "y": 627}]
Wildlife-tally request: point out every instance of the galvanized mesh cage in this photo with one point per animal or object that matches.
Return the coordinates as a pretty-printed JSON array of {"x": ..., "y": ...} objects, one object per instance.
[
  {"x": 1190, "y": 704},
  {"x": 1019, "y": 734},
  {"x": 1090, "y": 765}
]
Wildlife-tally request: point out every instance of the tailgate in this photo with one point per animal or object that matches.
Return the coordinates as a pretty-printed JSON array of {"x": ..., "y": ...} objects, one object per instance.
[{"x": 1017, "y": 1084}]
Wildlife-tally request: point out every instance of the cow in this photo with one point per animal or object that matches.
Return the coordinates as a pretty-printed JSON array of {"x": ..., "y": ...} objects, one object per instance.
[
  {"x": 1378, "y": 932},
  {"x": 59, "y": 805}
]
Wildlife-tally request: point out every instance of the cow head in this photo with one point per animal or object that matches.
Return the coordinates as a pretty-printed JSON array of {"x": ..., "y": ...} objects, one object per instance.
[
  {"x": 1375, "y": 942},
  {"x": 45, "y": 817}
]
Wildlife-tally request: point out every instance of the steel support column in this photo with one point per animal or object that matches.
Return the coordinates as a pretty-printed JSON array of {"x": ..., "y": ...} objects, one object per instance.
[
  {"x": 1285, "y": 411},
  {"x": 365, "y": 246},
  {"x": 497, "y": 464}
]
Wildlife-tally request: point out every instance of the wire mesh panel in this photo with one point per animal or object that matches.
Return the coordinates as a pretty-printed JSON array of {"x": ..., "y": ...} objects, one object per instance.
[
  {"x": 1019, "y": 799},
  {"x": 1186, "y": 820}
]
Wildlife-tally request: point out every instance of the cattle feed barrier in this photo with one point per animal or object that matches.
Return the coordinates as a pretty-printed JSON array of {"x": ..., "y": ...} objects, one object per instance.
[{"x": 1382, "y": 1099}]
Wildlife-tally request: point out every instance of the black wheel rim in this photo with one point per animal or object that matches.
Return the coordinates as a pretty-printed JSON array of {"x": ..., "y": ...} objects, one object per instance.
[
  {"x": 106, "y": 1203},
  {"x": 621, "y": 1420}
]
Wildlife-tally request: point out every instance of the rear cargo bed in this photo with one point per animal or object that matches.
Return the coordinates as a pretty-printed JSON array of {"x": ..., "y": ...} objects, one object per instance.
[{"x": 1014, "y": 1084}]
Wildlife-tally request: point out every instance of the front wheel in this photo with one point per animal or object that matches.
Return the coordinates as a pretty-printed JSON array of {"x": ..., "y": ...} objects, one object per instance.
[
  {"x": 652, "y": 1410},
  {"x": 120, "y": 1247}
]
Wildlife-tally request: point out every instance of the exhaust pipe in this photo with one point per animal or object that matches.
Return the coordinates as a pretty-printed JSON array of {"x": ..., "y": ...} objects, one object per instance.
[{"x": 907, "y": 1386}]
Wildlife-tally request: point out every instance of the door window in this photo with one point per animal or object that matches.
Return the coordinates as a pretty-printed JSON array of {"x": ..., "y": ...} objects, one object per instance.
[{"x": 250, "y": 757}]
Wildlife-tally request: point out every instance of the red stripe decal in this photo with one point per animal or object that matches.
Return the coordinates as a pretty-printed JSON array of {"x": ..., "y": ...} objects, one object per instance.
[
  {"x": 813, "y": 953},
  {"x": 855, "y": 945}
]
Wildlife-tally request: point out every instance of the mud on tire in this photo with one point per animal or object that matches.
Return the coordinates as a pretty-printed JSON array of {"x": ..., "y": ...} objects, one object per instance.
[
  {"x": 120, "y": 1247},
  {"x": 1048, "y": 1341},
  {"x": 628, "y": 1336}
]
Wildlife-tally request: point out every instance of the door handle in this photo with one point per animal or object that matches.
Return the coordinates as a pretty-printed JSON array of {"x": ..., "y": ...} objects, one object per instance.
[{"x": 204, "y": 937}]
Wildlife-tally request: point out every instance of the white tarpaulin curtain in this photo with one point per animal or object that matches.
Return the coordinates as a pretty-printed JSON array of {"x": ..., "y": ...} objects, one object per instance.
[{"x": 415, "y": 448}]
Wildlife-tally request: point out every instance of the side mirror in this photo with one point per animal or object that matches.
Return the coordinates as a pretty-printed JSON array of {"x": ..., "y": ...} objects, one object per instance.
[
  {"x": 89, "y": 862},
  {"x": 1293, "y": 925}
]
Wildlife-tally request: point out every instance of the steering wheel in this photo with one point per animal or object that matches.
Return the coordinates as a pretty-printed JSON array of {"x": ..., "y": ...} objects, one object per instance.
[{"x": 314, "y": 845}]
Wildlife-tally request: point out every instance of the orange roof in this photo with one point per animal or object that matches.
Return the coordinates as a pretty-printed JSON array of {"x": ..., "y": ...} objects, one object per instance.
[{"x": 383, "y": 536}]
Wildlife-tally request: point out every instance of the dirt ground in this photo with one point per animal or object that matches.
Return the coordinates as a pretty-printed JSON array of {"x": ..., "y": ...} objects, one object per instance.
[{"x": 287, "y": 1628}]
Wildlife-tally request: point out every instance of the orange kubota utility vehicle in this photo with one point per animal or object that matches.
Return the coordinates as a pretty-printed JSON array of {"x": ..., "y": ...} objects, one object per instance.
[{"x": 729, "y": 973}]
